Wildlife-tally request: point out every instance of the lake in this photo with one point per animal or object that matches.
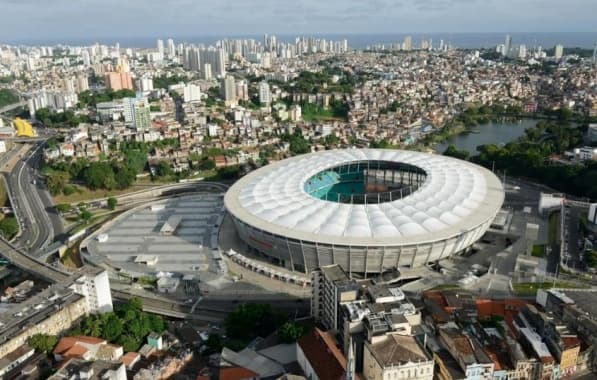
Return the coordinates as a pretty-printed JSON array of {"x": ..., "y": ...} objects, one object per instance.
[{"x": 494, "y": 132}]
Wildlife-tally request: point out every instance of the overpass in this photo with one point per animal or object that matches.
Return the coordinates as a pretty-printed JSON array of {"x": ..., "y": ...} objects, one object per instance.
[{"x": 13, "y": 106}]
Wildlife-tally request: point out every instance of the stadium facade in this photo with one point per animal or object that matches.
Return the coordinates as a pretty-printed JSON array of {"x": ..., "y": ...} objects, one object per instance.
[{"x": 368, "y": 210}]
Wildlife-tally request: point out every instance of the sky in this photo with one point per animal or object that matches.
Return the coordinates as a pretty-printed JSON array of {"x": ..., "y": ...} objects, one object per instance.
[{"x": 55, "y": 19}]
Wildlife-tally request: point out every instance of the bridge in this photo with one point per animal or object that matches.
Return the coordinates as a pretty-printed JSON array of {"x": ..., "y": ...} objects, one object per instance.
[{"x": 13, "y": 106}]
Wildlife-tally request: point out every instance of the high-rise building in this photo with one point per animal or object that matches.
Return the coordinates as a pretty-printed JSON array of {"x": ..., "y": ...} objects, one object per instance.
[
  {"x": 522, "y": 51},
  {"x": 242, "y": 90},
  {"x": 171, "y": 48},
  {"x": 119, "y": 81},
  {"x": 229, "y": 90},
  {"x": 160, "y": 45},
  {"x": 265, "y": 95},
  {"x": 82, "y": 83},
  {"x": 331, "y": 288},
  {"x": 136, "y": 113},
  {"x": 507, "y": 45},
  {"x": 408, "y": 43},
  {"x": 145, "y": 84},
  {"x": 559, "y": 51},
  {"x": 94, "y": 285},
  {"x": 191, "y": 93},
  {"x": 206, "y": 72}
]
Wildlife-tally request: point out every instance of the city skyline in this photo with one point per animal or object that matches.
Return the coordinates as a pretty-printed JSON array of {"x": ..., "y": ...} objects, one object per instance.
[{"x": 86, "y": 19}]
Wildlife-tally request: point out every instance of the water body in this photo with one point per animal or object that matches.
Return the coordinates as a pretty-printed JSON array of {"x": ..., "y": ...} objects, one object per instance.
[
  {"x": 495, "y": 132},
  {"x": 357, "y": 41}
]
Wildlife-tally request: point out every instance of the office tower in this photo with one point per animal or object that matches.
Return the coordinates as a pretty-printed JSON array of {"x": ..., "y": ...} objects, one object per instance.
[
  {"x": 507, "y": 45},
  {"x": 228, "y": 90},
  {"x": 116, "y": 80},
  {"x": 408, "y": 43},
  {"x": 191, "y": 93},
  {"x": 265, "y": 95},
  {"x": 160, "y": 44},
  {"x": 559, "y": 51},
  {"x": 171, "y": 48},
  {"x": 441, "y": 45},
  {"x": 266, "y": 60},
  {"x": 136, "y": 113}
]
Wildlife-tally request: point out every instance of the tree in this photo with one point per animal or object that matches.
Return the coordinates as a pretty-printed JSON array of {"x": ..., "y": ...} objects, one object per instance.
[
  {"x": 9, "y": 227},
  {"x": 56, "y": 181},
  {"x": 86, "y": 215},
  {"x": 112, "y": 327},
  {"x": 43, "y": 342},
  {"x": 129, "y": 343},
  {"x": 213, "y": 343},
  {"x": 451, "y": 151},
  {"x": 112, "y": 202},
  {"x": 63, "y": 207},
  {"x": 163, "y": 169},
  {"x": 289, "y": 332},
  {"x": 251, "y": 320}
]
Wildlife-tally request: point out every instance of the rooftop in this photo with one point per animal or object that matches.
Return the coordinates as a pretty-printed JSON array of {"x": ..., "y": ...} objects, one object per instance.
[
  {"x": 397, "y": 350},
  {"x": 455, "y": 196}
]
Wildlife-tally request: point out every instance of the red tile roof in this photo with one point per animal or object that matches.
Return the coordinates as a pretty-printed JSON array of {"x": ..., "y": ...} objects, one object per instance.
[
  {"x": 236, "y": 373},
  {"x": 323, "y": 355}
]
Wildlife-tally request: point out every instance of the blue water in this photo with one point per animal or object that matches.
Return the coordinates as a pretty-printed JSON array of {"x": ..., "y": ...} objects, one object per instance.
[
  {"x": 359, "y": 41},
  {"x": 494, "y": 132}
]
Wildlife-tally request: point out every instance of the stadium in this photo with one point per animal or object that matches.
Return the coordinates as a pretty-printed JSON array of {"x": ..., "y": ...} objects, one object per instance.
[{"x": 368, "y": 210}]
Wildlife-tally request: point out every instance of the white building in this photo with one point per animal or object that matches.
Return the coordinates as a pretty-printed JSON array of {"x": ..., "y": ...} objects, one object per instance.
[
  {"x": 191, "y": 93},
  {"x": 559, "y": 51},
  {"x": 137, "y": 113},
  {"x": 145, "y": 84},
  {"x": 94, "y": 285},
  {"x": 265, "y": 95}
]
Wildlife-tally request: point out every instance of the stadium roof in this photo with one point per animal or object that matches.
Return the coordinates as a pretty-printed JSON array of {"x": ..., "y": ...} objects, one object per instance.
[{"x": 457, "y": 196}]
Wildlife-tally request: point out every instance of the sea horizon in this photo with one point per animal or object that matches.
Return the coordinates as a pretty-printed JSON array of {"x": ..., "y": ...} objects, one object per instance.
[{"x": 465, "y": 40}]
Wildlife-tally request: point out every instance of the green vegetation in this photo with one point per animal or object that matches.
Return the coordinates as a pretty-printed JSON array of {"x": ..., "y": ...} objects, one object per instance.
[
  {"x": 7, "y": 97},
  {"x": 552, "y": 228},
  {"x": 298, "y": 144},
  {"x": 9, "y": 227},
  {"x": 530, "y": 288},
  {"x": 451, "y": 151},
  {"x": 128, "y": 325},
  {"x": 116, "y": 174},
  {"x": 112, "y": 203},
  {"x": 7, "y": 79},
  {"x": 290, "y": 332},
  {"x": 164, "y": 81},
  {"x": 591, "y": 258},
  {"x": 534, "y": 149},
  {"x": 381, "y": 144},
  {"x": 337, "y": 110},
  {"x": 59, "y": 119},
  {"x": 90, "y": 99},
  {"x": 249, "y": 321},
  {"x": 43, "y": 342},
  {"x": 538, "y": 250}
]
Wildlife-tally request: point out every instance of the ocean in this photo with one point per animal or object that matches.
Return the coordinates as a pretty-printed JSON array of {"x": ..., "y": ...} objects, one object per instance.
[{"x": 359, "y": 41}]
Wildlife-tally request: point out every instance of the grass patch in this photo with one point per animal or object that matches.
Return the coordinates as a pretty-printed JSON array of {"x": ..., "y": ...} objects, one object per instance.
[
  {"x": 3, "y": 194},
  {"x": 552, "y": 231},
  {"x": 530, "y": 288},
  {"x": 538, "y": 250},
  {"x": 83, "y": 194}
]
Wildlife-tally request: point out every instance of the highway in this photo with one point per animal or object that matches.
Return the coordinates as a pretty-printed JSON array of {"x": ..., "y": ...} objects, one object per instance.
[{"x": 34, "y": 209}]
